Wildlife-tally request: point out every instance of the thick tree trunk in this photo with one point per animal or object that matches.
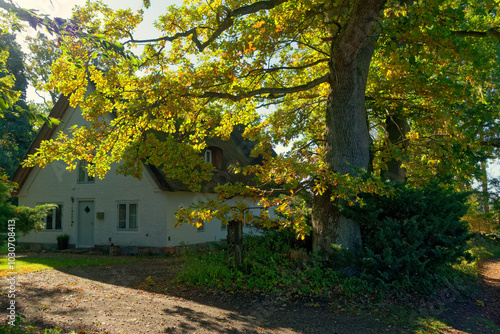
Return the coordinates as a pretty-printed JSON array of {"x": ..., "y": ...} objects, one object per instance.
[
  {"x": 347, "y": 146},
  {"x": 347, "y": 135},
  {"x": 396, "y": 128}
]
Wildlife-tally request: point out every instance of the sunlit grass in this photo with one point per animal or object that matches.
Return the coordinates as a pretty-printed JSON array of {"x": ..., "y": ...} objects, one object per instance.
[
  {"x": 484, "y": 248},
  {"x": 431, "y": 326},
  {"x": 31, "y": 264}
]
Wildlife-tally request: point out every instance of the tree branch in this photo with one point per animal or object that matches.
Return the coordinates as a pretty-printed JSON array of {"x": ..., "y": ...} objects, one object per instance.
[
  {"x": 271, "y": 91},
  {"x": 274, "y": 69},
  {"x": 22, "y": 14},
  {"x": 494, "y": 142},
  {"x": 57, "y": 25},
  {"x": 479, "y": 34},
  {"x": 225, "y": 24}
]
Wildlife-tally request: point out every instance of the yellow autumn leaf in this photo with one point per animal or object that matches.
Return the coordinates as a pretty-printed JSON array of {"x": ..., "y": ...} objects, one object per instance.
[{"x": 258, "y": 24}]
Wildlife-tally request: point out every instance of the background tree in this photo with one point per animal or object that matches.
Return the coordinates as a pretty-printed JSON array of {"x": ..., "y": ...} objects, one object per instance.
[
  {"x": 43, "y": 53},
  {"x": 17, "y": 118},
  {"x": 15, "y": 130},
  {"x": 439, "y": 88},
  {"x": 8, "y": 95}
]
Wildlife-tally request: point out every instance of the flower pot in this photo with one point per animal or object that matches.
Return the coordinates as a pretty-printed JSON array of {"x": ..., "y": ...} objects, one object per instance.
[{"x": 62, "y": 244}]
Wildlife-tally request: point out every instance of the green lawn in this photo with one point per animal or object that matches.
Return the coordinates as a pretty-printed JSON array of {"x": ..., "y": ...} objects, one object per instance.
[
  {"x": 485, "y": 248},
  {"x": 29, "y": 264}
]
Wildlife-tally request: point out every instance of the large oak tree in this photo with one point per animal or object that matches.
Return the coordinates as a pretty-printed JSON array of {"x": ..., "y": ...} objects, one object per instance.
[{"x": 288, "y": 70}]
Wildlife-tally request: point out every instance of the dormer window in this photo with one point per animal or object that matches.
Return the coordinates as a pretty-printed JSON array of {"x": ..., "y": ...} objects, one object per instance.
[
  {"x": 213, "y": 155},
  {"x": 208, "y": 156}
]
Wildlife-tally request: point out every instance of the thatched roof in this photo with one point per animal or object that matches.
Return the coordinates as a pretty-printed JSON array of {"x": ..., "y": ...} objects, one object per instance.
[
  {"x": 236, "y": 150},
  {"x": 45, "y": 133}
]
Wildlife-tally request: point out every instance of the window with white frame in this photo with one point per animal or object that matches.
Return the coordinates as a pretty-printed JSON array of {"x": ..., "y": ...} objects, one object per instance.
[
  {"x": 208, "y": 156},
  {"x": 83, "y": 173},
  {"x": 127, "y": 216},
  {"x": 53, "y": 220}
]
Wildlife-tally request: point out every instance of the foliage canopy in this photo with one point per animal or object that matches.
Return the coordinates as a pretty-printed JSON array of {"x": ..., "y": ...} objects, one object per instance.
[{"x": 293, "y": 73}]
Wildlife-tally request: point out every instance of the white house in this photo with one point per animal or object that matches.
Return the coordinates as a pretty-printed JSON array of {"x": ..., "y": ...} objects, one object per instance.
[{"x": 119, "y": 210}]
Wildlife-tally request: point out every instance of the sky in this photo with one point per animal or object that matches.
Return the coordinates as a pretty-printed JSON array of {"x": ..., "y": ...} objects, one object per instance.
[{"x": 63, "y": 9}]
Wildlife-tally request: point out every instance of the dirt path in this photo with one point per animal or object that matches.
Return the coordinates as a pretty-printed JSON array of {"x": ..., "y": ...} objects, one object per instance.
[
  {"x": 491, "y": 279},
  {"x": 139, "y": 297},
  {"x": 480, "y": 314}
]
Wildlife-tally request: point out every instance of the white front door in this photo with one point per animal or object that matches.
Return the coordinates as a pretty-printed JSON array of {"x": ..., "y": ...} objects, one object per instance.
[{"x": 86, "y": 224}]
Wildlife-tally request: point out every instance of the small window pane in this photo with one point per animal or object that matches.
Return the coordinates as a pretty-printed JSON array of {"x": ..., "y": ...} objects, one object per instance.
[
  {"x": 49, "y": 219},
  {"x": 58, "y": 221},
  {"x": 132, "y": 222},
  {"x": 208, "y": 156},
  {"x": 122, "y": 216}
]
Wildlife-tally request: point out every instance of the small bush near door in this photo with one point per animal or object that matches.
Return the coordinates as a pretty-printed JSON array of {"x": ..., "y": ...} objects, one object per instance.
[{"x": 62, "y": 241}]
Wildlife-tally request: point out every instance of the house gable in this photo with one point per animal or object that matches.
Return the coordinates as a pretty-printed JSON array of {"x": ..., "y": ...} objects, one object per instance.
[
  {"x": 122, "y": 209},
  {"x": 104, "y": 199}
]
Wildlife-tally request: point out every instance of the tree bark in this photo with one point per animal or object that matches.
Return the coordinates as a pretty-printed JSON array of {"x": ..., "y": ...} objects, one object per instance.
[
  {"x": 347, "y": 135},
  {"x": 396, "y": 128}
]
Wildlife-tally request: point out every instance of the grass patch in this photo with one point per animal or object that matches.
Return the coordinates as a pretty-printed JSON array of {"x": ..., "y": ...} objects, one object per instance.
[
  {"x": 21, "y": 326},
  {"x": 484, "y": 247},
  {"x": 431, "y": 326},
  {"x": 31, "y": 264}
]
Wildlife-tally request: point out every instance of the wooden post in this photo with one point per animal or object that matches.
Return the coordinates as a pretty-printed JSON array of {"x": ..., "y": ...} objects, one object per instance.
[{"x": 235, "y": 242}]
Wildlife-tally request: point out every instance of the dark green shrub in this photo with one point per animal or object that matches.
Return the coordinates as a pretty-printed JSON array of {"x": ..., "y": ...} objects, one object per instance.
[
  {"x": 26, "y": 219},
  {"x": 410, "y": 236}
]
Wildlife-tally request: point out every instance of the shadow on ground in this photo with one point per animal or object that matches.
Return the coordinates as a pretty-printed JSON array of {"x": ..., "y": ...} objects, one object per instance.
[
  {"x": 140, "y": 297},
  {"x": 481, "y": 312}
]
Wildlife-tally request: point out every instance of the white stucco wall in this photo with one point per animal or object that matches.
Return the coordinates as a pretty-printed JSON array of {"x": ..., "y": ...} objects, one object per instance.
[
  {"x": 156, "y": 209},
  {"x": 55, "y": 184},
  {"x": 187, "y": 233}
]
